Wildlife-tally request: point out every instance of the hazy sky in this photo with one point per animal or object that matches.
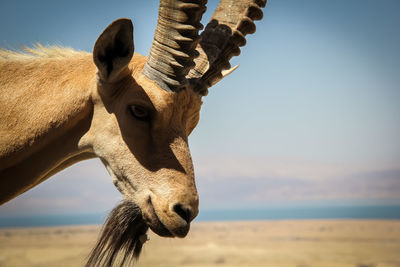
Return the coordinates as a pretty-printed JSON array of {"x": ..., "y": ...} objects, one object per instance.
[{"x": 312, "y": 114}]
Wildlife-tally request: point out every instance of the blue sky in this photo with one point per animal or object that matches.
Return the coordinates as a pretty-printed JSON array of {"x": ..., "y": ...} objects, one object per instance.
[{"x": 310, "y": 116}]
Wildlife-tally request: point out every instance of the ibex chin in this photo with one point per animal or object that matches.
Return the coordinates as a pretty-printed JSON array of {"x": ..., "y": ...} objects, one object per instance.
[{"x": 135, "y": 113}]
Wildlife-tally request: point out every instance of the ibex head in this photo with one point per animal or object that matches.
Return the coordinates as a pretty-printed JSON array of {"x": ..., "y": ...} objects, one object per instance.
[
  {"x": 145, "y": 108},
  {"x": 144, "y": 134}
]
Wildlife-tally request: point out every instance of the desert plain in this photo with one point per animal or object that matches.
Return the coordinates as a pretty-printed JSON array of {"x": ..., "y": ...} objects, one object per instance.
[{"x": 295, "y": 243}]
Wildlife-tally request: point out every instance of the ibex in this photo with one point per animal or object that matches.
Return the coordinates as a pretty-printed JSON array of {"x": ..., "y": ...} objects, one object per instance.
[{"x": 135, "y": 113}]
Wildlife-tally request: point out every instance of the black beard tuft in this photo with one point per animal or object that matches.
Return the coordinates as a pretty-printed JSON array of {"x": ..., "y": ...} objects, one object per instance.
[{"x": 124, "y": 232}]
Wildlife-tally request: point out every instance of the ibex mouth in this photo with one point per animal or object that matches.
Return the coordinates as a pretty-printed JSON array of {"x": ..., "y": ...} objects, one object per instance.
[
  {"x": 154, "y": 222},
  {"x": 163, "y": 223}
]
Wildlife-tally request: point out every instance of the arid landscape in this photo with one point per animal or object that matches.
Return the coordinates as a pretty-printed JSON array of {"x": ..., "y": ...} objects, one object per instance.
[{"x": 297, "y": 243}]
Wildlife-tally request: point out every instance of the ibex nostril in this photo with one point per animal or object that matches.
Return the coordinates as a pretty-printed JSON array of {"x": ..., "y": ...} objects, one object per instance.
[{"x": 184, "y": 212}]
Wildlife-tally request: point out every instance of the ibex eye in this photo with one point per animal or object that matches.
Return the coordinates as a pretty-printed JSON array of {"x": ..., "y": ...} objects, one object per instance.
[{"x": 139, "y": 113}]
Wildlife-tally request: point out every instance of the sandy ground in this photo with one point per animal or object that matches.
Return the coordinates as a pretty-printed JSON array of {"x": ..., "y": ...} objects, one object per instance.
[{"x": 303, "y": 243}]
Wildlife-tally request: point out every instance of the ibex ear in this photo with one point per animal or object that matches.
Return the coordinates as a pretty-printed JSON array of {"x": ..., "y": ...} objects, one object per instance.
[{"x": 114, "y": 49}]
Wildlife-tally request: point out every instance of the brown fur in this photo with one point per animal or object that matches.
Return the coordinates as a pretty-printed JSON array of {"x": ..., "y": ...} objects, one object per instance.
[{"x": 41, "y": 102}]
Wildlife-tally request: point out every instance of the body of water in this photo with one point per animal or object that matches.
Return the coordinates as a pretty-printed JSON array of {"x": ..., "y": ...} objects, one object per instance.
[{"x": 281, "y": 213}]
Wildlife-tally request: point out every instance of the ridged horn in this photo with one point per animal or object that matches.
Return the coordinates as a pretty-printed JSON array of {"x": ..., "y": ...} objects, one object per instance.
[
  {"x": 175, "y": 39},
  {"x": 221, "y": 39}
]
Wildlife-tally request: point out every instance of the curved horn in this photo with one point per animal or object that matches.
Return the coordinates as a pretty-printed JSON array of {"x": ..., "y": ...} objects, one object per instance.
[
  {"x": 175, "y": 39},
  {"x": 221, "y": 39}
]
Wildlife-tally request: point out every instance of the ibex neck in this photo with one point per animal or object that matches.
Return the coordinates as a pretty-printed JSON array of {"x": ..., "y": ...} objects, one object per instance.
[{"x": 46, "y": 108}]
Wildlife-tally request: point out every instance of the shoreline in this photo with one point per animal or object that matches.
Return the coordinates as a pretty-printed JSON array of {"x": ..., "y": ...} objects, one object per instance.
[
  {"x": 352, "y": 212},
  {"x": 212, "y": 222}
]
